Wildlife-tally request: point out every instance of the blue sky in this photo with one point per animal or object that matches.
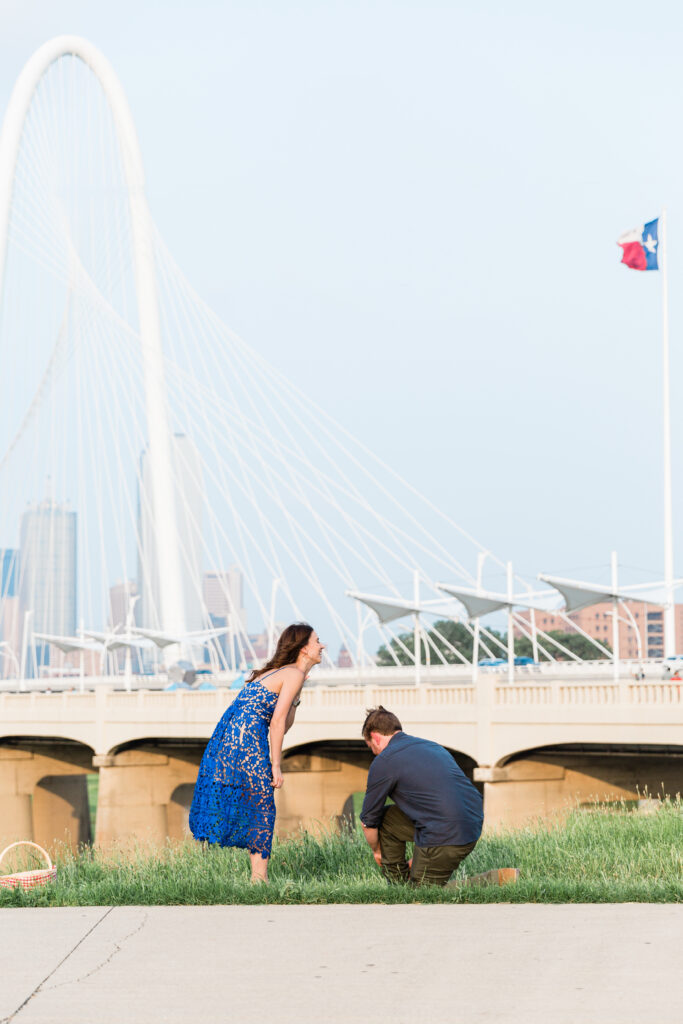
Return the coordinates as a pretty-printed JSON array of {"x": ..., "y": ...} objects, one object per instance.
[{"x": 412, "y": 209}]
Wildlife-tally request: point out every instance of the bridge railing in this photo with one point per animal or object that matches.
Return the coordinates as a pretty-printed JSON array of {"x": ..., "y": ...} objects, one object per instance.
[
  {"x": 562, "y": 689},
  {"x": 491, "y": 697},
  {"x": 390, "y": 696},
  {"x": 648, "y": 673}
]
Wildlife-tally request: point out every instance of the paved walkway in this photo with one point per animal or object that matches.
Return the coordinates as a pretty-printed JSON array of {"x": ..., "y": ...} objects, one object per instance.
[{"x": 612, "y": 964}]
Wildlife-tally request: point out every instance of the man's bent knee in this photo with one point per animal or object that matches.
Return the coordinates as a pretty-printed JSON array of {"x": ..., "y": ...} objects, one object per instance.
[{"x": 434, "y": 865}]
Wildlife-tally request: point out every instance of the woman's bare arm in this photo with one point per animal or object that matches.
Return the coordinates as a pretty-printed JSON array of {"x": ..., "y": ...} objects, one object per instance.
[
  {"x": 291, "y": 715},
  {"x": 291, "y": 688}
]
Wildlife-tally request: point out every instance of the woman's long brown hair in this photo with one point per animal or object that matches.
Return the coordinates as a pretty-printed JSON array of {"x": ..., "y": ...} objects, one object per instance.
[{"x": 292, "y": 640}]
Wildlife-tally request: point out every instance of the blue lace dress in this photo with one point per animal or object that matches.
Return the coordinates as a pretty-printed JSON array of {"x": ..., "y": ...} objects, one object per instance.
[{"x": 233, "y": 802}]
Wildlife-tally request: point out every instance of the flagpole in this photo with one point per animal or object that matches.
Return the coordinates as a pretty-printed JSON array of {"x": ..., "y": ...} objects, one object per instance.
[{"x": 669, "y": 614}]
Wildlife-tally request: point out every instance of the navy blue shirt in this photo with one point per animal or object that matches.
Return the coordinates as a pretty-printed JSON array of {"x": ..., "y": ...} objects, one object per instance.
[{"x": 424, "y": 781}]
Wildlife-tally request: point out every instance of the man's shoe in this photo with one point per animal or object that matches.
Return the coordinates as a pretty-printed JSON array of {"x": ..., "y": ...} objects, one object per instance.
[{"x": 497, "y": 876}]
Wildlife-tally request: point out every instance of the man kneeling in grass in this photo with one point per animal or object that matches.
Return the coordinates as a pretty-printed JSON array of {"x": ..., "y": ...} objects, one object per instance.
[{"x": 435, "y": 806}]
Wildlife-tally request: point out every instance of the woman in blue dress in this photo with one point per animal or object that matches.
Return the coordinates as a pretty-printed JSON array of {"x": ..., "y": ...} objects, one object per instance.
[{"x": 234, "y": 802}]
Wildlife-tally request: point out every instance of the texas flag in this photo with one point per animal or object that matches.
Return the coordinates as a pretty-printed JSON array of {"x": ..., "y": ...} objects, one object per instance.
[{"x": 641, "y": 247}]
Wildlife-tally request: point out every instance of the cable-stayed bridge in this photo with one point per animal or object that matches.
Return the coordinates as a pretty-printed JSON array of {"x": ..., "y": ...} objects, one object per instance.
[{"x": 164, "y": 486}]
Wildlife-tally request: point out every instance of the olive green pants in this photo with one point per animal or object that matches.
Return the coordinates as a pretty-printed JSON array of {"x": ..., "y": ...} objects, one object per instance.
[{"x": 432, "y": 865}]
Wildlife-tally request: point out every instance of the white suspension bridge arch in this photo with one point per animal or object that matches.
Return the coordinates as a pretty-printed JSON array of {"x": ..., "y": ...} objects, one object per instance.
[{"x": 163, "y": 495}]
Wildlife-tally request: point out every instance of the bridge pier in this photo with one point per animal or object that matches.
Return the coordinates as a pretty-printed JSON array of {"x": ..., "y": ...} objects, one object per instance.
[
  {"x": 43, "y": 793},
  {"x": 544, "y": 785},
  {"x": 319, "y": 783},
  {"x": 144, "y": 794}
]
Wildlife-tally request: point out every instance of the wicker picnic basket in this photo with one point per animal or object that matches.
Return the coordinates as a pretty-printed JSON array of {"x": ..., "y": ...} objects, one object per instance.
[{"x": 28, "y": 879}]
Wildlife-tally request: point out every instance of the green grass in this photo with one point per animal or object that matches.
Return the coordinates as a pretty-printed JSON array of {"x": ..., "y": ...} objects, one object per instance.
[
  {"x": 603, "y": 855},
  {"x": 93, "y": 783}
]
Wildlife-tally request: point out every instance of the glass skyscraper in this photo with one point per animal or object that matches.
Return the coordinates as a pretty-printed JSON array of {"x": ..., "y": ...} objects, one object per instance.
[
  {"x": 9, "y": 572},
  {"x": 10, "y": 615},
  {"x": 47, "y": 580}
]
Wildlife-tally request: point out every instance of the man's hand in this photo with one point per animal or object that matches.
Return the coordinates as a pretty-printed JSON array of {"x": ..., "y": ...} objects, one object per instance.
[{"x": 372, "y": 839}]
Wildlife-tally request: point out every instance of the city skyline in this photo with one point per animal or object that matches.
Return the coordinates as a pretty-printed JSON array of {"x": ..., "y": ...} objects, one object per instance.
[{"x": 44, "y": 581}]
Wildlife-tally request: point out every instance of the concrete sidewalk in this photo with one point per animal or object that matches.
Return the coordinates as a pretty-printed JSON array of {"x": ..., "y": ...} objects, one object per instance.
[{"x": 536, "y": 964}]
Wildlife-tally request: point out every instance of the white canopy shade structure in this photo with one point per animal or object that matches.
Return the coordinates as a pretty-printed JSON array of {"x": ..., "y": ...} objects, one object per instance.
[
  {"x": 578, "y": 595},
  {"x": 482, "y": 602},
  {"x": 167, "y": 639},
  {"x": 95, "y": 642},
  {"x": 68, "y": 644},
  {"x": 115, "y": 641},
  {"x": 387, "y": 609},
  {"x": 160, "y": 639}
]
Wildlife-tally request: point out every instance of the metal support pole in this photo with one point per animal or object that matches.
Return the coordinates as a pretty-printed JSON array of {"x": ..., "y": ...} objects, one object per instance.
[
  {"x": 615, "y": 617},
  {"x": 417, "y": 628},
  {"x": 360, "y": 650},
  {"x": 481, "y": 557},
  {"x": 511, "y": 638},
  {"x": 271, "y": 620},
  {"x": 81, "y": 660},
  {"x": 670, "y": 612},
  {"x": 636, "y": 630},
  {"x": 534, "y": 635},
  {"x": 232, "y": 640},
  {"x": 24, "y": 650},
  {"x": 128, "y": 669}
]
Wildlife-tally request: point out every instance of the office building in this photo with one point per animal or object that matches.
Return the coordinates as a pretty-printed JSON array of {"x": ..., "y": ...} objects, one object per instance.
[
  {"x": 9, "y": 572},
  {"x": 47, "y": 577},
  {"x": 646, "y": 632},
  {"x": 120, "y": 597},
  {"x": 224, "y": 597},
  {"x": 10, "y": 614},
  {"x": 224, "y": 600},
  {"x": 344, "y": 660}
]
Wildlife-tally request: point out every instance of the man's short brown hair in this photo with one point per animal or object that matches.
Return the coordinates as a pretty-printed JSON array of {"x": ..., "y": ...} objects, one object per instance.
[{"x": 382, "y": 721}]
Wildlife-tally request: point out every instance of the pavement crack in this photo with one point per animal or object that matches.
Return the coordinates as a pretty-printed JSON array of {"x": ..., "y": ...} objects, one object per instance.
[
  {"x": 117, "y": 949},
  {"x": 47, "y": 977}
]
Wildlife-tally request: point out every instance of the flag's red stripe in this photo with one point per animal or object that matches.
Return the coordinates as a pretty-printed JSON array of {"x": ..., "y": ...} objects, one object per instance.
[{"x": 634, "y": 255}]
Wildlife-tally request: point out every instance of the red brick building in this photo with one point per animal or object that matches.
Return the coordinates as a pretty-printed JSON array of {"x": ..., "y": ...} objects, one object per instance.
[{"x": 597, "y": 622}]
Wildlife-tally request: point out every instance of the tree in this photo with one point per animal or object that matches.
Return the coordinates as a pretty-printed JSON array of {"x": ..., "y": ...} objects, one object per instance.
[
  {"x": 574, "y": 642},
  {"x": 455, "y": 633},
  {"x": 459, "y": 636}
]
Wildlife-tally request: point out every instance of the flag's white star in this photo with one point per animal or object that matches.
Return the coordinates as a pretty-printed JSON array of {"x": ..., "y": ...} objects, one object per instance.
[{"x": 650, "y": 243}]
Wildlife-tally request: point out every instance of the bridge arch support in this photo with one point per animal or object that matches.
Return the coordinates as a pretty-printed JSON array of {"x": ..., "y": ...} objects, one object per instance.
[
  {"x": 542, "y": 782},
  {"x": 44, "y": 792},
  {"x": 161, "y": 469},
  {"x": 145, "y": 790},
  {"x": 321, "y": 778}
]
